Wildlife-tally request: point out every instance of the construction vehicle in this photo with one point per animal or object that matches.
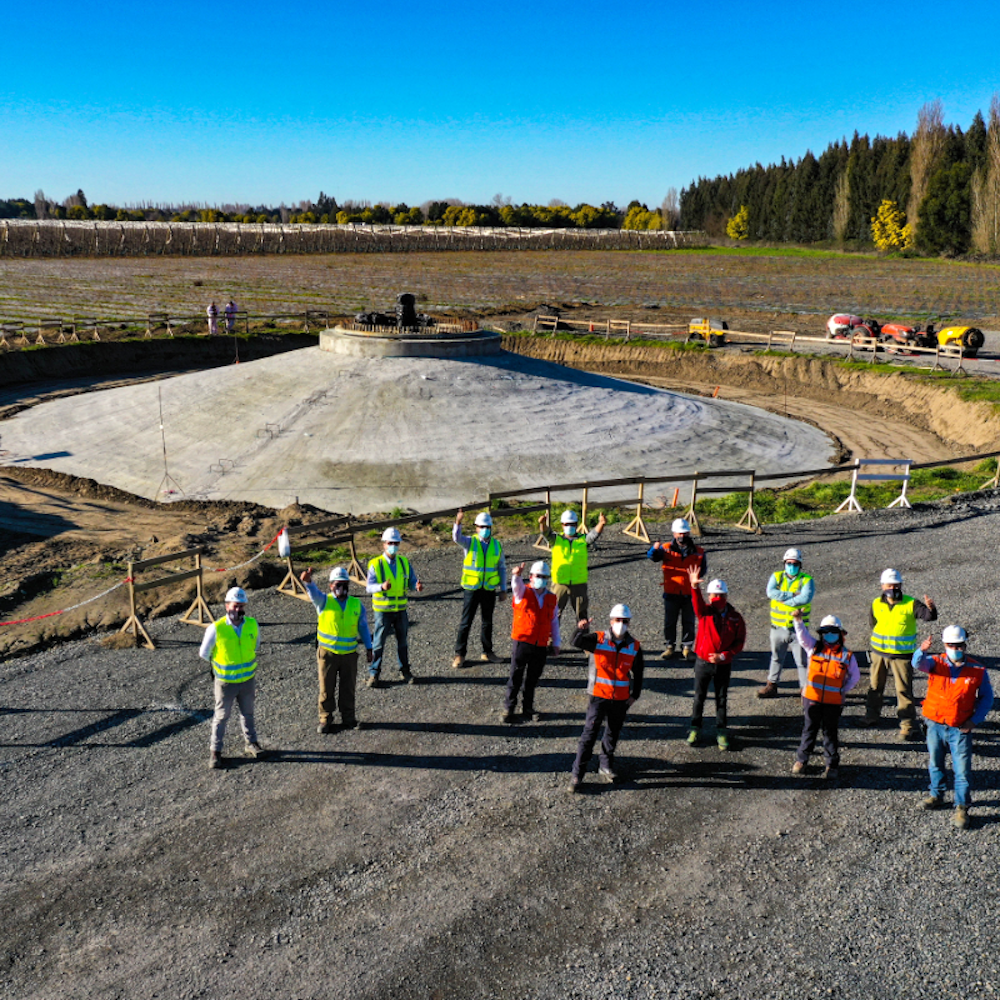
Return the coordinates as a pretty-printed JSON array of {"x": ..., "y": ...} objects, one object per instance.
[
  {"x": 712, "y": 331},
  {"x": 970, "y": 338},
  {"x": 840, "y": 325}
]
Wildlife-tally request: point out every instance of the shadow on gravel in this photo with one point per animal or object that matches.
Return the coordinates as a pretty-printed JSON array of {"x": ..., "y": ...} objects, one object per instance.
[{"x": 530, "y": 764}]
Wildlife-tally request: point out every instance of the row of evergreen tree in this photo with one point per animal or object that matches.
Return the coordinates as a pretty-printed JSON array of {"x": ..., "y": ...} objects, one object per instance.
[{"x": 945, "y": 181}]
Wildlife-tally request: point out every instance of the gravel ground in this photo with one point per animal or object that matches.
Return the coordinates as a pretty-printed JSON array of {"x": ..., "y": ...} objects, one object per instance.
[{"x": 436, "y": 852}]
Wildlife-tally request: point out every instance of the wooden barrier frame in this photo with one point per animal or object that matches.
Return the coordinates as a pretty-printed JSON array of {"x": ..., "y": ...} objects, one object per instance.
[
  {"x": 291, "y": 584},
  {"x": 198, "y": 606},
  {"x": 749, "y": 521},
  {"x": 851, "y": 503},
  {"x": 155, "y": 320}
]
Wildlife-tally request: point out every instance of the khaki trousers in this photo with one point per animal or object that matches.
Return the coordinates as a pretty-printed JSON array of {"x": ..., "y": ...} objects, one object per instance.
[
  {"x": 575, "y": 592},
  {"x": 334, "y": 669},
  {"x": 902, "y": 675}
]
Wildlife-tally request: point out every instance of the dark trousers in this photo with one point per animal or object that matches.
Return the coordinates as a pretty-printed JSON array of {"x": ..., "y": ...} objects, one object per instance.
[
  {"x": 334, "y": 669},
  {"x": 526, "y": 665},
  {"x": 612, "y": 714},
  {"x": 675, "y": 605},
  {"x": 816, "y": 717},
  {"x": 484, "y": 601},
  {"x": 718, "y": 675}
]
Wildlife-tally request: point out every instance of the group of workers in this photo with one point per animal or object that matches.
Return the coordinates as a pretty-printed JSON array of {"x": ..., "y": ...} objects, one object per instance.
[{"x": 712, "y": 635}]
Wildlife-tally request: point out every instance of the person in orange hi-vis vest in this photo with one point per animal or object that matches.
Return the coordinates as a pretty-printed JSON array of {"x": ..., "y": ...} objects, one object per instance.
[
  {"x": 959, "y": 696},
  {"x": 535, "y": 627},
  {"x": 831, "y": 671},
  {"x": 614, "y": 685}
]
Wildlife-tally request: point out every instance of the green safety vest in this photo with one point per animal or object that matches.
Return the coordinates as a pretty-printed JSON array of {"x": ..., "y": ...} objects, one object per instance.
[
  {"x": 781, "y": 614},
  {"x": 569, "y": 560},
  {"x": 337, "y": 629},
  {"x": 895, "y": 632},
  {"x": 234, "y": 658},
  {"x": 393, "y": 599},
  {"x": 480, "y": 571}
]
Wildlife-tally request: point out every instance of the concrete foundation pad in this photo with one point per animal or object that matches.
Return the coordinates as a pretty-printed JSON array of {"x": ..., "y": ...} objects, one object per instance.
[
  {"x": 370, "y": 434},
  {"x": 359, "y": 344}
]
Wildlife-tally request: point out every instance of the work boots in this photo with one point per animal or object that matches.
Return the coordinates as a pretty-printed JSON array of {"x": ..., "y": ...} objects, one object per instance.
[{"x": 769, "y": 690}]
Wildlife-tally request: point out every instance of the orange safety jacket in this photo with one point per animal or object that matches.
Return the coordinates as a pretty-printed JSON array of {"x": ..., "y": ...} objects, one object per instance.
[
  {"x": 952, "y": 702},
  {"x": 611, "y": 668},
  {"x": 675, "y": 569},
  {"x": 827, "y": 676},
  {"x": 533, "y": 624}
]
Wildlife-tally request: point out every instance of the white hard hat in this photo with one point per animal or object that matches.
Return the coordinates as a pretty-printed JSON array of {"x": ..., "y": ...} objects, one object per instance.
[
  {"x": 391, "y": 535},
  {"x": 680, "y": 526},
  {"x": 621, "y": 611},
  {"x": 891, "y": 576},
  {"x": 832, "y": 621},
  {"x": 484, "y": 520},
  {"x": 236, "y": 595},
  {"x": 569, "y": 517},
  {"x": 718, "y": 587},
  {"x": 338, "y": 573},
  {"x": 792, "y": 555},
  {"x": 540, "y": 568},
  {"x": 953, "y": 635}
]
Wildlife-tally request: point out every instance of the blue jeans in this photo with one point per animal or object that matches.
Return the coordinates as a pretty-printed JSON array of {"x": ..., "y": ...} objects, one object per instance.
[
  {"x": 398, "y": 624},
  {"x": 940, "y": 740}
]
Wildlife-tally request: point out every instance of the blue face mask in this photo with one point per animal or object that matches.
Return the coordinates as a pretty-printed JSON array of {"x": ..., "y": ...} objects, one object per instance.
[
  {"x": 392, "y": 549},
  {"x": 484, "y": 533},
  {"x": 955, "y": 655},
  {"x": 569, "y": 530},
  {"x": 791, "y": 569},
  {"x": 831, "y": 638}
]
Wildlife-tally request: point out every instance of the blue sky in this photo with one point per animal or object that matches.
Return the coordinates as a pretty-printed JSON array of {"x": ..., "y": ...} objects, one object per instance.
[{"x": 222, "y": 102}]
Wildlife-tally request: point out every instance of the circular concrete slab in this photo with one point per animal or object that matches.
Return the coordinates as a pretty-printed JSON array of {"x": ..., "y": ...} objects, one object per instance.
[{"x": 367, "y": 434}]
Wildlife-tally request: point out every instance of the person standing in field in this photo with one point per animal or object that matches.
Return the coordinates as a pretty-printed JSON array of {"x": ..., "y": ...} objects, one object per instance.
[
  {"x": 213, "y": 319},
  {"x": 231, "y": 316},
  {"x": 569, "y": 559},
  {"x": 484, "y": 578},
  {"x": 789, "y": 590},
  {"x": 676, "y": 559}
]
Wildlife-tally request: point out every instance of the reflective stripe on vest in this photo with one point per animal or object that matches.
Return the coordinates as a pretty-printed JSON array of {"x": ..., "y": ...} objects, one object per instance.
[
  {"x": 827, "y": 677},
  {"x": 675, "y": 569},
  {"x": 781, "y": 614},
  {"x": 234, "y": 658},
  {"x": 895, "y": 632},
  {"x": 569, "y": 560},
  {"x": 533, "y": 624},
  {"x": 393, "y": 599},
  {"x": 952, "y": 702},
  {"x": 337, "y": 629},
  {"x": 611, "y": 668},
  {"x": 480, "y": 569}
]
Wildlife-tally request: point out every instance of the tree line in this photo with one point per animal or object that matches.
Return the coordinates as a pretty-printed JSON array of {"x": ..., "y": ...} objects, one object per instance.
[{"x": 935, "y": 192}]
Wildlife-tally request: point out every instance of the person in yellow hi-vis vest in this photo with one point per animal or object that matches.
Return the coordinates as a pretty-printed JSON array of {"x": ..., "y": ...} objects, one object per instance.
[
  {"x": 341, "y": 626},
  {"x": 230, "y": 646},
  {"x": 390, "y": 576},
  {"x": 484, "y": 579},
  {"x": 893, "y": 619},
  {"x": 569, "y": 559}
]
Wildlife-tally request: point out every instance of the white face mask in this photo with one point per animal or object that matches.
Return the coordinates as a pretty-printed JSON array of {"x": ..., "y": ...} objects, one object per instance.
[
  {"x": 539, "y": 582},
  {"x": 569, "y": 530},
  {"x": 619, "y": 629}
]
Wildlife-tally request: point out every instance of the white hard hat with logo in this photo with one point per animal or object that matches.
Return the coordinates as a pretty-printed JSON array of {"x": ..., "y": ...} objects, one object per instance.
[
  {"x": 338, "y": 573},
  {"x": 953, "y": 635},
  {"x": 792, "y": 555},
  {"x": 236, "y": 595},
  {"x": 718, "y": 587},
  {"x": 891, "y": 578},
  {"x": 569, "y": 517},
  {"x": 484, "y": 520},
  {"x": 621, "y": 611},
  {"x": 680, "y": 527},
  {"x": 391, "y": 535},
  {"x": 832, "y": 621},
  {"x": 540, "y": 568}
]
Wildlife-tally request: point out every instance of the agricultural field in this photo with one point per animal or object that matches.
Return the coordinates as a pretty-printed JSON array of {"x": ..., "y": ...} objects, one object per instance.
[{"x": 757, "y": 289}]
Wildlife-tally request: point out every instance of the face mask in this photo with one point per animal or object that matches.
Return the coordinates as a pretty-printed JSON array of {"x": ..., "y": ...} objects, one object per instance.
[
  {"x": 894, "y": 593},
  {"x": 831, "y": 638},
  {"x": 340, "y": 590},
  {"x": 791, "y": 569},
  {"x": 618, "y": 629},
  {"x": 392, "y": 549},
  {"x": 569, "y": 530},
  {"x": 716, "y": 598},
  {"x": 236, "y": 617},
  {"x": 484, "y": 533},
  {"x": 539, "y": 582},
  {"x": 955, "y": 655}
]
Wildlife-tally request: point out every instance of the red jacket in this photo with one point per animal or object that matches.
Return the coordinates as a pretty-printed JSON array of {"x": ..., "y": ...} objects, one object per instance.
[{"x": 722, "y": 632}]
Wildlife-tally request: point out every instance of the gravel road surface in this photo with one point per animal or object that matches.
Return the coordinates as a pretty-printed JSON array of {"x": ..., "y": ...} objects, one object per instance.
[{"x": 436, "y": 853}]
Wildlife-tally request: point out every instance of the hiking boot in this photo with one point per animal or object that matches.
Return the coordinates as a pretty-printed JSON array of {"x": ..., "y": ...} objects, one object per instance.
[
  {"x": 326, "y": 727},
  {"x": 668, "y": 652},
  {"x": 687, "y": 653},
  {"x": 489, "y": 657},
  {"x": 769, "y": 690},
  {"x": 909, "y": 735},
  {"x": 457, "y": 662},
  {"x": 722, "y": 739},
  {"x": 931, "y": 802},
  {"x": 407, "y": 676},
  {"x": 215, "y": 761},
  {"x": 574, "y": 784},
  {"x": 693, "y": 738},
  {"x": 373, "y": 682},
  {"x": 608, "y": 774},
  {"x": 507, "y": 717},
  {"x": 254, "y": 750},
  {"x": 961, "y": 817},
  {"x": 868, "y": 722},
  {"x": 831, "y": 775},
  {"x": 353, "y": 724},
  {"x": 798, "y": 768}
]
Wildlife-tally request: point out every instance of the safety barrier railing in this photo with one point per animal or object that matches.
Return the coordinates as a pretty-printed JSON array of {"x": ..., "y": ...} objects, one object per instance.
[
  {"x": 851, "y": 503},
  {"x": 133, "y": 624}
]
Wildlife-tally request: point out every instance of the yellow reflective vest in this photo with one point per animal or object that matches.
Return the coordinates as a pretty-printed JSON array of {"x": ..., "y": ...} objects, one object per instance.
[
  {"x": 480, "y": 571},
  {"x": 337, "y": 629},
  {"x": 569, "y": 560},
  {"x": 895, "y": 632},
  {"x": 234, "y": 658},
  {"x": 393, "y": 599},
  {"x": 781, "y": 614}
]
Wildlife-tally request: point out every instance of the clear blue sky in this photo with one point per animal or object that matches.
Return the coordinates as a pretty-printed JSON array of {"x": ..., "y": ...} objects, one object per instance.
[{"x": 251, "y": 102}]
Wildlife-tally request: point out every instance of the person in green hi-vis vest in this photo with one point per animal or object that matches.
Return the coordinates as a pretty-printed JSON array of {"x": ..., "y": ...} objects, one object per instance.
[
  {"x": 569, "y": 559},
  {"x": 484, "y": 580}
]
